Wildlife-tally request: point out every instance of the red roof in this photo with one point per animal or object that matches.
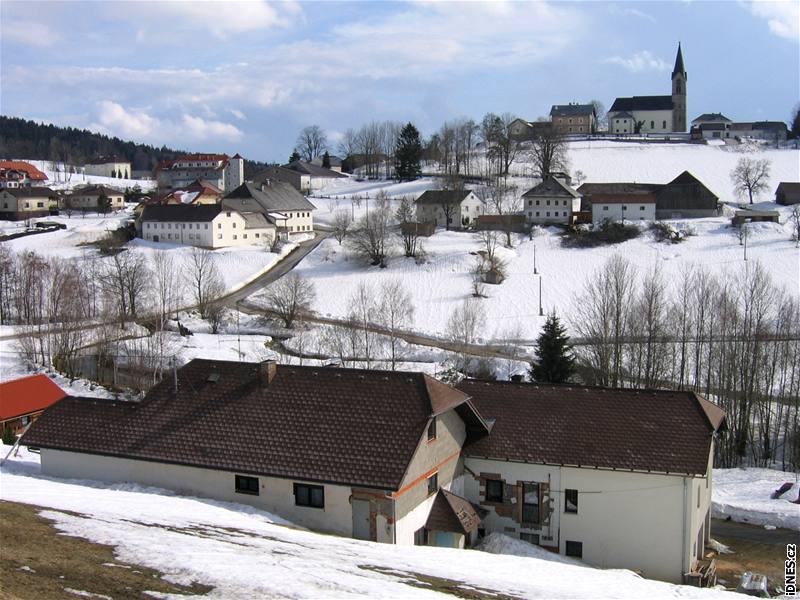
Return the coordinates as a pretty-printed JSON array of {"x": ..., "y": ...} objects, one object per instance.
[
  {"x": 18, "y": 165},
  {"x": 28, "y": 395}
]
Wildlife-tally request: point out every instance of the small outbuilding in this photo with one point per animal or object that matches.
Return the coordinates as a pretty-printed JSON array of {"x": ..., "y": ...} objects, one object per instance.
[
  {"x": 754, "y": 216},
  {"x": 23, "y": 400},
  {"x": 788, "y": 193}
]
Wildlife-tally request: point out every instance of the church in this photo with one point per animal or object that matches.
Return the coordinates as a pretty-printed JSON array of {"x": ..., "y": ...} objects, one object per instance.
[{"x": 653, "y": 114}]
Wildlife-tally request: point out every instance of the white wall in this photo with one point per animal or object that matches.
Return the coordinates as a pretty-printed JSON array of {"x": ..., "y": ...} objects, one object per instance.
[
  {"x": 560, "y": 209},
  {"x": 631, "y": 212},
  {"x": 661, "y": 120},
  {"x": 227, "y": 229},
  {"x": 299, "y": 220},
  {"x": 276, "y": 495},
  {"x": 640, "y": 521}
]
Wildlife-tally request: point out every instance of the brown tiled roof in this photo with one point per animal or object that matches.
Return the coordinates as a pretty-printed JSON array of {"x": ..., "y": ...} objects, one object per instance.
[
  {"x": 641, "y": 430},
  {"x": 345, "y": 426},
  {"x": 452, "y": 513}
]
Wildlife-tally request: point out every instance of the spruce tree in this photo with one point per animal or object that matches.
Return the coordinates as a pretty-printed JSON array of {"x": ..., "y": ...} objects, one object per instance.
[
  {"x": 326, "y": 160},
  {"x": 295, "y": 156},
  {"x": 554, "y": 362},
  {"x": 408, "y": 153}
]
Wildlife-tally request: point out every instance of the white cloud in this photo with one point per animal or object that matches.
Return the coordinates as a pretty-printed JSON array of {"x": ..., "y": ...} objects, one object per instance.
[
  {"x": 626, "y": 11},
  {"x": 114, "y": 119},
  {"x": 29, "y": 33},
  {"x": 238, "y": 114},
  {"x": 783, "y": 18},
  {"x": 639, "y": 62}
]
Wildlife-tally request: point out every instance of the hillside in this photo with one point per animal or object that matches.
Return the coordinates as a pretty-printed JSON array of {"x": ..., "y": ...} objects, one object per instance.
[{"x": 21, "y": 138}]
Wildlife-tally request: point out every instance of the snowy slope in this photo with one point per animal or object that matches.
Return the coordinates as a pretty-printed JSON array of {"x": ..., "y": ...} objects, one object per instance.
[
  {"x": 244, "y": 552},
  {"x": 744, "y": 496},
  {"x": 59, "y": 177}
]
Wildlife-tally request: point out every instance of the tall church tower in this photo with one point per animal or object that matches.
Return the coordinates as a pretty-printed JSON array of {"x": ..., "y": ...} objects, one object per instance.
[{"x": 679, "y": 78}]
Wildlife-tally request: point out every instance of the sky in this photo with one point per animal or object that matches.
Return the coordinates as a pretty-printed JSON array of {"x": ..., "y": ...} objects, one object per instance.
[{"x": 248, "y": 76}]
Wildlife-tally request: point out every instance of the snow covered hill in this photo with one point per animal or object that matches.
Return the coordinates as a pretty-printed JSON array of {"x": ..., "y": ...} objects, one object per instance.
[{"x": 244, "y": 552}]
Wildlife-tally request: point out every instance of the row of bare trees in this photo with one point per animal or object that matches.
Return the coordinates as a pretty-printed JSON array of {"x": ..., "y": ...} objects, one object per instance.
[
  {"x": 371, "y": 147},
  {"x": 732, "y": 337}
]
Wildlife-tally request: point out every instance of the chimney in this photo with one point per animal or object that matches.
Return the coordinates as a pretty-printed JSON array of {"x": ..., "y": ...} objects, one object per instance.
[{"x": 266, "y": 371}]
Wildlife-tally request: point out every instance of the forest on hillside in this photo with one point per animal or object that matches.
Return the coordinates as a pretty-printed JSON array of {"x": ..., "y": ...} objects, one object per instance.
[{"x": 22, "y": 138}]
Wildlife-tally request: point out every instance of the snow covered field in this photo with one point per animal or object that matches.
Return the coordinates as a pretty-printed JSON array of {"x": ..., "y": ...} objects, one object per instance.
[
  {"x": 744, "y": 496},
  {"x": 444, "y": 281},
  {"x": 59, "y": 177},
  {"x": 244, "y": 552}
]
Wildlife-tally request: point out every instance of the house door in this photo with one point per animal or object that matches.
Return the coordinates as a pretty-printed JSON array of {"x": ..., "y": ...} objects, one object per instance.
[
  {"x": 361, "y": 520},
  {"x": 155, "y": 238}
]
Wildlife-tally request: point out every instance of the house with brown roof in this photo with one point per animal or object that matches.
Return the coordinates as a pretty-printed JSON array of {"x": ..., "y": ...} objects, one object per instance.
[
  {"x": 199, "y": 191},
  {"x": 305, "y": 177},
  {"x": 619, "y": 478},
  {"x": 345, "y": 451},
  {"x": 23, "y": 400},
  {"x": 19, "y": 203},
  {"x": 18, "y": 173},
  {"x": 574, "y": 118},
  {"x": 452, "y": 209},
  {"x": 788, "y": 193},
  {"x": 223, "y": 171},
  {"x": 88, "y": 198}
]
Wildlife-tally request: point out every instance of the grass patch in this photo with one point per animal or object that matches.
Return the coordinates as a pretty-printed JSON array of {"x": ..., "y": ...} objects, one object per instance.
[
  {"x": 36, "y": 561},
  {"x": 459, "y": 589}
]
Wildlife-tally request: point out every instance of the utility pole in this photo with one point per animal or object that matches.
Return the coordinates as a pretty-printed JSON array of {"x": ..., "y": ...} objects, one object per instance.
[
  {"x": 541, "y": 311},
  {"x": 535, "y": 270},
  {"x": 238, "y": 332}
]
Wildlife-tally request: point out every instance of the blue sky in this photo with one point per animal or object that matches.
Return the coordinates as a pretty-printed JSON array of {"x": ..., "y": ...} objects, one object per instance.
[{"x": 247, "y": 76}]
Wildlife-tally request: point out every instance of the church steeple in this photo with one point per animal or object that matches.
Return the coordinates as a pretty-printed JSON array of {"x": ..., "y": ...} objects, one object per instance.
[
  {"x": 679, "y": 78},
  {"x": 679, "y": 68}
]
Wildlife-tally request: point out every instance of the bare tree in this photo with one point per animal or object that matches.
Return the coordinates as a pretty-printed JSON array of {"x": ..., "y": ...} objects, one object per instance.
[
  {"x": 465, "y": 326},
  {"x": 126, "y": 279},
  {"x": 501, "y": 199},
  {"x": 204, "y": 279},
  {"x": 600, "y": 114},
  {"x": 548, "y": 151},
  {"x": 501, "y": 146},
  {"x": 371, "y": 239},
  {"x": 794, "y": 216},
  {"x": 166, "y": 292},
  {"x": 290, "y": 297},
  {"x": 311, "y": 142},
  {"x": 342, "y": 221},
  {"x": 364, "y": 314},
  {"x": 750, "y": 177},
  {"x": 395, "y": 314}
]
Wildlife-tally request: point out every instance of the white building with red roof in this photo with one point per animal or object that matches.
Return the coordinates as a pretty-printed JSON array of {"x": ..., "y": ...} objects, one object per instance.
[
  {"x": 18, "y": 173},
  {"x": 223, "y": 171}
]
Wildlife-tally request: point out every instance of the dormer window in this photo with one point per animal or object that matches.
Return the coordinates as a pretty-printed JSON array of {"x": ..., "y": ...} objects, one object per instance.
[{"x": 432, "y": 430}]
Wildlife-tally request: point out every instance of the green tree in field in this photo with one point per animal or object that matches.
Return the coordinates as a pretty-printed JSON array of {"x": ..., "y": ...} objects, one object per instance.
[
  {"x": 408, "y": 153},
  {"x": 295, "y": 156},
  {"x": 103, "y": 203},
  {"x": 326, "y": 160},
  {"x": 554, "y": 361}
]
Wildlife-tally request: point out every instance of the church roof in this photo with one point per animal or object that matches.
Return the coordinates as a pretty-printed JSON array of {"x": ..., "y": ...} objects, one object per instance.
[
  {"x": 641, "y": 103},
  {"x": 679, "y": 68}
]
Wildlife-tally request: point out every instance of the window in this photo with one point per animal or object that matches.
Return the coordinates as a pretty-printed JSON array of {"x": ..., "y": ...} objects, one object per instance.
[
  {"x": 574, "y": 549},
  {"x": 641, "y": 208},
  {"x": 219, "y": 236},
  {"x": 664, "y": 125},
  {"x": 234, "y": 225},
  {"x": 548, "y": 202},
  {"x": 531, "y": 538},
  {"x": 433, "y": 484},
  {"x": 234, "y": 236},
  {"x": 309, "y": 495},
  {"x": 698, "y": 497},
  {"x": 244, "y": 236},
  {"x": 565, "y": 202},
  {"x": 537, "y": 203},
  {"x": 605, "y": 208},
  {"x": 530, "y": 202},
  {"x": 571, "y": 501},
  {"x": 432, "y": 429},
  {"x": 624, "y": 207},
  {"x": 206, "y": 227},
  {"x": 247, "y": 485},
  {"x": 494, "y": 490},
  {"x": 25, "y": 420},
  {"x": 548, "y": 213},
  {"x": 227, "y": 214},
  {"x": 258, "y": 235},
  {"x": 421, "y": 537},
  {"x": 219, "y": 225},
  {"x": 40, "y": 205},
  {"x": 537, "y": 213},
  {"x": 652, "y": 125},
  {"x": 530, "y": 502}
]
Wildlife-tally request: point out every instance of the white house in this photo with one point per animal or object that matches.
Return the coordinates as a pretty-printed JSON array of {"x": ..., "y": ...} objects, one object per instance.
[
  {"x": 223, "y": 171},
  {"x": 617, "y": 478},
  {"x": 620, "y": 201},
  {"x": 278, "y": 201},
  {"x": 109, "y": 166},
  {"x": 452, "y": 209},
  {"x": 88, "y": 197},
  {"x": 205, "y": 225},
  {"x": 305, "y": 177},
  {"x": 552, "y": 201},
  {"x": 18, "y": 173},
  {"x": 20, "y": 203}
]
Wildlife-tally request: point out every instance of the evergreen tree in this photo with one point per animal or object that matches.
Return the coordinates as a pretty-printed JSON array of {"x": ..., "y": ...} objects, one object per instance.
[
  {"x": 554, "y": 362},
  {"x": 408, "y": 153},
  {"x": 794, "y": 130},
  {"x": 326, "y": 160},
  {"x": 295, "y": 156},
  {"x": 103, "y": 203}
]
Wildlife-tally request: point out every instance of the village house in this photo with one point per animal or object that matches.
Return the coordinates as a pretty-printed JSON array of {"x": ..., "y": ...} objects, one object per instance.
[
  {"x": 352, "y": 452},
  {"x": 711, "y": 126},
  {"x": 593, "y": 473},
  {"x": 199, "y": 191},
  {"x": 619, "y": 201},
  {"x": 224, "y": 172},
  {"x": 522, "y": 130},
  {"x": 684, "y": 197},
  {"x": 23, "y": 400},
  {"x": 618, "y": 478},
  {"x": 279, "y": 202},
  {"x": 788, "y": 193},
  {"x": 452, "y": 209},
  {"x": 653, "y": 114},
  {"x": 305, "y": 177},
  {"x": 19, "y": 203},
  {"x": 205, "y": 225},
  {"x": 552, "y": 201},
  {"x": 109, "y": 166},
  {"x": 88, "y": 198},
  {"x": 574, "y": 118},
  {"x": 18, "y": 173},
  {"x": 771, "y": 131},
  {"x": 335, "y": 162}
]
